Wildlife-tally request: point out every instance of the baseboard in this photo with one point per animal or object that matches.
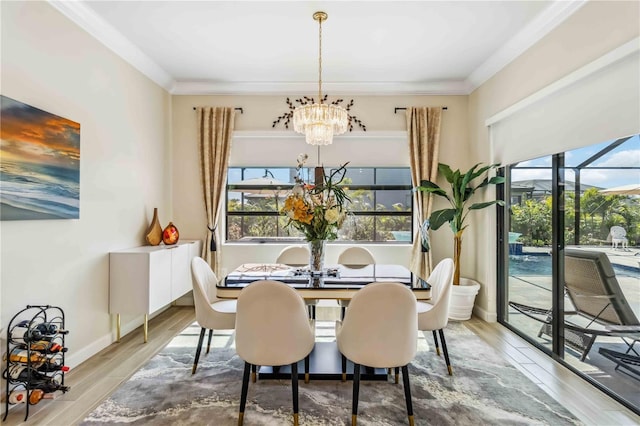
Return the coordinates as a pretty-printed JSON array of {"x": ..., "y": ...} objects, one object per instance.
[
  {"x": 77, "y": 357},
  {"x": 484, "y": 314}
]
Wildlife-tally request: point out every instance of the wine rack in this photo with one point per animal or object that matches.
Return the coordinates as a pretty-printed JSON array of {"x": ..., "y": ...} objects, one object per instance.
[{"x": 34, "y": 357}]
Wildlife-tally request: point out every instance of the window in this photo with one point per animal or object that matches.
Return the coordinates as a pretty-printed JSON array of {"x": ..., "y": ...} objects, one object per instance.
[{"x": 380, "y": 208}]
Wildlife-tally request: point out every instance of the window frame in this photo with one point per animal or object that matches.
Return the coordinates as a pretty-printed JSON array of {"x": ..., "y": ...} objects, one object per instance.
[{"x": 366, "y": 213}]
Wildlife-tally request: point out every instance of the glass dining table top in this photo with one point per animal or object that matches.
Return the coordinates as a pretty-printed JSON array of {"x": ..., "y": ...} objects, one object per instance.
[{"x": 334, "y": 278}]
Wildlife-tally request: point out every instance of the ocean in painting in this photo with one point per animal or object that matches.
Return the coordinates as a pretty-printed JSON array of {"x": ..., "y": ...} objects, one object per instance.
[
  {"x": 39, "y": 163},
  {"x": 37, "y": 191}
]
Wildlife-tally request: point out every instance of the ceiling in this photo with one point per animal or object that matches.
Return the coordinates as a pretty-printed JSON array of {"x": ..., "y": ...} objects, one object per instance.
[{"x": 271, "y": 47}]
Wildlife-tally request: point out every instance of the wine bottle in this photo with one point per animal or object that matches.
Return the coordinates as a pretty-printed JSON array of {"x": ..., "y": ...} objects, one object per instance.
[
  {"x": 17, "y": 396},
  {"x": 47, "y": 347},
  {"x": 26, "y": 332},
  {"x": 23, "y": 373},
  {"x": 48, "y": 367},
  {"x": 22, "y": 355},
  {"x": 52, "y": 386},
  {"x": 35, "y": 396},
  {"x": 50, "y": 329}
]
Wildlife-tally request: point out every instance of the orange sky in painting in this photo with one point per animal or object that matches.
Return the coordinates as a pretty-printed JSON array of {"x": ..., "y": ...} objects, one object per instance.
[{"x": 31, "y": 135}]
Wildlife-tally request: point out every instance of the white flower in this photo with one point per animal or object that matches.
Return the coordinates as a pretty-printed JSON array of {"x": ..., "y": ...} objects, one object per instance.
[{"x": 332, "y": 215}]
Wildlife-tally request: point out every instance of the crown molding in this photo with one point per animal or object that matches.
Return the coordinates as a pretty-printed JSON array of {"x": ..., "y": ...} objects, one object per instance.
[
  {"x": 93, "y": 24},
  {"x": 89, "y": 21},
  {"x": 530, "y": 34},
  {"x": 452, "y": 87}
]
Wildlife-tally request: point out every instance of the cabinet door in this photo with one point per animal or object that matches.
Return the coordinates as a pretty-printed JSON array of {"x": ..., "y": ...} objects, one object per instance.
[
  {"x": 159, "y": 279},
  {"x": 180, "y": 265}
]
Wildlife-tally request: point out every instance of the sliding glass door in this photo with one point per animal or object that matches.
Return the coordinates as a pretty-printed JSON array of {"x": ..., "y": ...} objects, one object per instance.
[{"x": 570, "y": 261}]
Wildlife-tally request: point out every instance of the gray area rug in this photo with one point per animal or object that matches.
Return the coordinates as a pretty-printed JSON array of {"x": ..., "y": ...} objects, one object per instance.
[{"x": 484, "y": 390}]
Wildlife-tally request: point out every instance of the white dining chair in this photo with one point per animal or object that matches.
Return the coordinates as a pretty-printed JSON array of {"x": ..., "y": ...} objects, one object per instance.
[
  {"x": 298, "y": 256},
  {"x": 379, "y": 330},
  {"x": 354, "y": 256},
  {"x": 435, "y": 316},
  {"x": 211, "y": 315},
  {"x": 272, "y": 329}
]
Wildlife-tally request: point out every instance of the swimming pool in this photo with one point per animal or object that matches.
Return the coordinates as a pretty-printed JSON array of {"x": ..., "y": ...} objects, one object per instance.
[{"x": 541, "y": 265}]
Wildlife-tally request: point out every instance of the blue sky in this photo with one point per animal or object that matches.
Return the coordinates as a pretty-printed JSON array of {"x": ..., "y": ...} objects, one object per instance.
[{"x": 627, "y": 154}]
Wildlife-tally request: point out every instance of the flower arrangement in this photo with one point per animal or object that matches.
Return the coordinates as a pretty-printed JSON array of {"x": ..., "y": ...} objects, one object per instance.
[{"x": 317, "y": 210}]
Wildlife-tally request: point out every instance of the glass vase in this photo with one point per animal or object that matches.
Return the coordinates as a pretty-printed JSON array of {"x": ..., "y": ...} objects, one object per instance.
[{"x": 316, "y": 257}]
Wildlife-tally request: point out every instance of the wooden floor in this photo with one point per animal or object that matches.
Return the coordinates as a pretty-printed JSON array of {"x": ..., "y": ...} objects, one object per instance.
[{"x": 99, "y": 376}]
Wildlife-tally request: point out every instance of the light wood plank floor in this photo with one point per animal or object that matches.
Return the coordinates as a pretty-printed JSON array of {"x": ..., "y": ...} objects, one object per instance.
[{"x": 98, "y": 377}]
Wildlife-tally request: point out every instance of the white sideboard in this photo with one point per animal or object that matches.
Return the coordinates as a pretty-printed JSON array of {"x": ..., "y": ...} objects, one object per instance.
[{"x": 144, "y": 279}]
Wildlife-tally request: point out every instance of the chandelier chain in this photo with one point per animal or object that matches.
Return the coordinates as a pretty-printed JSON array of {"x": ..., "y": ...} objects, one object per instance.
[{"x": 320, "y": 60}]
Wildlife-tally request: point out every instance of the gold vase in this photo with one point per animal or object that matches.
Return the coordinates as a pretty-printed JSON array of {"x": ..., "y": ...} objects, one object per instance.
[{"x": 154, "y": 231}]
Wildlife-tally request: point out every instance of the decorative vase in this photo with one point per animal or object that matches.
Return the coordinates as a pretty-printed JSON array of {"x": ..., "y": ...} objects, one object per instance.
[
  {"x": 170, "y": 234},
  {"x": 153, "y": 235},
  {"x": 316, "y": 258}
]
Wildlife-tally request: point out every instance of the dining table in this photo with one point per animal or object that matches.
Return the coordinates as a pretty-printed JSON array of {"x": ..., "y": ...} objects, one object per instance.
[{"x": 337, "y": 282}]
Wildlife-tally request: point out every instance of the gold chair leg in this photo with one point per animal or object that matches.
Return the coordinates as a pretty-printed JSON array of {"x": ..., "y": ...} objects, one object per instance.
[
  {"x": 450, "y": 370},
  {"x": 411, "y": 421},
  {"x": 354, "y": 419},
  {"x": 253, "y": 377},
  {"x": 295, "y": 419},
  {"x": 240, "y": 419},
  {"x": 306, "y": 377},
  {"x": 397, "y": 376},
  {"x": 344, "y": 377}
]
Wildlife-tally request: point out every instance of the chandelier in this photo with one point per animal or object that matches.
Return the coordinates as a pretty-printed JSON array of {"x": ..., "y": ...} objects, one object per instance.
[{"x": 319, "y": 121}]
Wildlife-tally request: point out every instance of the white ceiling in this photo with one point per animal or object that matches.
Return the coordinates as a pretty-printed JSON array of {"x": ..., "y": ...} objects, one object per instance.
[{"x": 373, "y": 47}]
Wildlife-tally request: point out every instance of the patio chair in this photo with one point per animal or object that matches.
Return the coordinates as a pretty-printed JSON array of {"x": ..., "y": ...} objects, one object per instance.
[
  {"x": 618, "y": 237},
  {"x": 601, "y": 308}
]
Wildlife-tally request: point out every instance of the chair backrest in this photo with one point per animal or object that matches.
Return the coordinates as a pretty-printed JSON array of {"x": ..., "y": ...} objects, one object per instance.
[
  {"x": 272, "y": 326},
  {"x": 356, "y": 256},
  {"x": 441, "y": 280},
  {"x": 380, "y": 328},
  {"x": 617, "y": 232},
  {"x": 294, "y": 255},
  {"x": 202, "y": 279},
  {"x": 593, "y": 288}
]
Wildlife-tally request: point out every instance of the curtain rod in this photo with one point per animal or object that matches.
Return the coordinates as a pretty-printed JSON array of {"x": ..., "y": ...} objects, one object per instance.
[
  {"x": 396, "y": 109},
  {"x": 237, "y": 109}
]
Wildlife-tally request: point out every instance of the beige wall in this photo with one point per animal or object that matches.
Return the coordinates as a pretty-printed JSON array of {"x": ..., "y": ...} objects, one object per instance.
[
  {"x": 377, "y": 113},
  {"x": 50, "y": 63},
  {"x": 594, "y": 30},
  {"x": 138, "y": 151}
]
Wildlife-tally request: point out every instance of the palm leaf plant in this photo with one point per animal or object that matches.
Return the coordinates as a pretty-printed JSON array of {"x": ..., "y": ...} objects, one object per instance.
[{"x": 462, "y": 187}]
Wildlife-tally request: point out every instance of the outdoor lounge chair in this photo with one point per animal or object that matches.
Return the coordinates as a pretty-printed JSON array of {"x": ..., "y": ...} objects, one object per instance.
[
  {"x": 601, "y": 308},
  {"x": 618, "y": 237}
]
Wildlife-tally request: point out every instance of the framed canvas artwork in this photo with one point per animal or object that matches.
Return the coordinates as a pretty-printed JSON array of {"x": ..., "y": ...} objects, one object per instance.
[{"x": 39, "y": 164}]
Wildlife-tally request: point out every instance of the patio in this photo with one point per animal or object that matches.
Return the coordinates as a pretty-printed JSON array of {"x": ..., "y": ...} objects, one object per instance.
[{"x": 535, "y": 290}]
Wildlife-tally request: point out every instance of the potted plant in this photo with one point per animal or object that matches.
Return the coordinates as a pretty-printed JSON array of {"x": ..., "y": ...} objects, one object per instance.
[{"x": 462, "y": 187}]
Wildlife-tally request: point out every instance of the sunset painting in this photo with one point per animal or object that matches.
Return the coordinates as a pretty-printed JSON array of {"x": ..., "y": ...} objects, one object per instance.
[{"x": 39, "y": 164}]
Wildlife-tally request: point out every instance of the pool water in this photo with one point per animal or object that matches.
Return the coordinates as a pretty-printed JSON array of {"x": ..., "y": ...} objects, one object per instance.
[{"x": 541, "y": 265}]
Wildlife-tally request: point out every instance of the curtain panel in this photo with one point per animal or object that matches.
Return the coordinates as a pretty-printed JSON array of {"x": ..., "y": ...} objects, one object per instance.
[
  {"x": 215, "y": 131},
  {"x": 423, "y": 132}
]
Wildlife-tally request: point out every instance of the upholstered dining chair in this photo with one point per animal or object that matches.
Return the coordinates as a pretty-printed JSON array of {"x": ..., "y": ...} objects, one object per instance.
[
  {"x": 435, "y": 316},
  {"x": 354, "y": 256},
  {"x": 211, "y": 315},
  {"x": 298, "y": 256},
  {"x": 379, "y": 330},
  {"x": 272, "y": 328}
]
